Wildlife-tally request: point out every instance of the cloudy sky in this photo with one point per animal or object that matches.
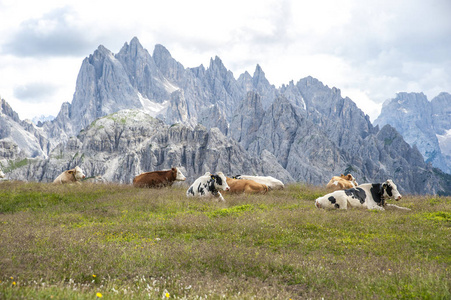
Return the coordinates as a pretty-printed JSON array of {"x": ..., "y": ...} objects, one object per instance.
[{"x": 370, "y": 50}]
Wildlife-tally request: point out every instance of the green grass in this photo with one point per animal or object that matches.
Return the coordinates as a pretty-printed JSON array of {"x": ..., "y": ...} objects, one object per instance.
[{"x": 72, "y": 242}]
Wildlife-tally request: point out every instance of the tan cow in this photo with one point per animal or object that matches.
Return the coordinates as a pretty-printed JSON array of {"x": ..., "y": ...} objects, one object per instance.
[
  {"x": 245, "y": 186},
  {"x": 70, "y": 176},
  {"x": 157, "y": 179},
  {"x": 271, "y": 182},
  {"x": 341, "y": 182}
]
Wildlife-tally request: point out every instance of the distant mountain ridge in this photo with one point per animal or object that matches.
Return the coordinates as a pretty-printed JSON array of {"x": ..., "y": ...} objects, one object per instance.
[
  {"x": 423, "y": 123},
  {"x": 302, "y": 131}
]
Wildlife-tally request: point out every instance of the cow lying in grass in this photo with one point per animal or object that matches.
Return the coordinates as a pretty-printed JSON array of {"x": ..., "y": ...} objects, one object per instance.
[
  {"x": 342, "y": 182},
  {"x": 271, "y": 182},
  {"x": 245, "y": 186},
  {"x": 368, "y": 195},
  {"x": 208, "y": 185},
  {"x": 70, "y": 176},
  {"x": 157, "y": 179}
]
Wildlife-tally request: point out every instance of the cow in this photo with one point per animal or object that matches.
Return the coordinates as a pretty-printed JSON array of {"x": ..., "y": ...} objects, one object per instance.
[
  {"x": 158, "y": 179},
  {"x": 271, "y": 182},
  {"x": 341, "y": 182},
  {"x": 245, "y": 186},
  {"x": 70, "y": 176},
  {"x": 368, "y": 195},
  {"x": 2, "y": 175},
  {"x": 208, "y": 185}
]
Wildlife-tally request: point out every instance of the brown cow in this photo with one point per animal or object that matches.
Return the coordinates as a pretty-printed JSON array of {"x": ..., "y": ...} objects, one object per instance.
[
  {"x": 157, "y": 179},
  {"x": 70, "y": 176},
  {"x": 341, "y": 182},
  {"x": 245, "y": 186}
]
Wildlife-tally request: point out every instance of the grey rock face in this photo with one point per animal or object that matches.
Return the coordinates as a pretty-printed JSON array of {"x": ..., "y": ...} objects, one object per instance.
[
  {"x": 307, "y": 144},
  {"x": 127, "y": 143},
  {"x": 19, "y": 139},
  {"x": 422, "y": 123}
]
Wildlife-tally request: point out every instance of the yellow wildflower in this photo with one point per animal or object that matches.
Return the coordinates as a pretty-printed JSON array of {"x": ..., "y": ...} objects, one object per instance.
[
  {"x": 167, "y": 295},
  {"x": 99, "y": 295}
]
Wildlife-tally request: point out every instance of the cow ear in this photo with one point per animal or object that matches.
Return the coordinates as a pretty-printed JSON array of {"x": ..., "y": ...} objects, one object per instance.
[
  {"x": 212, "y": 176},
  {"x": 349, "y": 177},
  {"x": 342, "y": 175},
  {"x": 71, "y": 171},
  {"x": 384, "y": 185}
]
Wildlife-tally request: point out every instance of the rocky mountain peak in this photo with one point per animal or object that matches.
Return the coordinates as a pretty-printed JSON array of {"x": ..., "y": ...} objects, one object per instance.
[
  {"x": 259, "y": 77},
  {"x": 168, "y": 66},
  {"x": 8, "y": 111},
  {"x": 421, "y": 123}
]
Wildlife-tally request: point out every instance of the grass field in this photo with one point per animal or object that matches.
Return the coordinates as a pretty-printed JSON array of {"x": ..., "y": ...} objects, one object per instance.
[{"x": 118, "y": 242}]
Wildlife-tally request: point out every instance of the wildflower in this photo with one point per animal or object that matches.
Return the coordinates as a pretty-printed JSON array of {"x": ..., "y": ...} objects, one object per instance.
[
  {"x": 11, "y": 277},
  {"x": 94, "y": 276},
  {"x": 14, "y": 283},
  {"x": 167, "y": 295},
  {"x": 99, "y": 295}
]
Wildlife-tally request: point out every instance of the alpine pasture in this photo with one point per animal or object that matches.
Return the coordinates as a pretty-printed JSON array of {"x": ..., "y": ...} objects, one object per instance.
[{"x": 118, "y": 242}]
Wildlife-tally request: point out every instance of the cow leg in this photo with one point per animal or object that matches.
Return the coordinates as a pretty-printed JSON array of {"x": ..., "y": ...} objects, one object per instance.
[
  {"x": 220, "y": 197},
  {"x": 396, "y": 206}
]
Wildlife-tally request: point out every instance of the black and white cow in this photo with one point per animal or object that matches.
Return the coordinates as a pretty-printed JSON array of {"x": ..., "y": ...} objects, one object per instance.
[
  {"x": 208, "y": 185},
  {"x": 368, "y": 195}
]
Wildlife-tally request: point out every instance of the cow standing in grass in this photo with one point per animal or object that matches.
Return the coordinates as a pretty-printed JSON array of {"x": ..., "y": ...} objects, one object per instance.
[{"x": 368, "y": 195}]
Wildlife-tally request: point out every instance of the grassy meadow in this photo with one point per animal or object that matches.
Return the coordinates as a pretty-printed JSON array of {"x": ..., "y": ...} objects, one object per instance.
[{"x": 118, "y": 242}]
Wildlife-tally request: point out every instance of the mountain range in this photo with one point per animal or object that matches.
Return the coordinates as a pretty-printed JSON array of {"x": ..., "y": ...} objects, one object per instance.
[
  {"x": 133, "y": 112},
  {"x": 424, "y": 123}
]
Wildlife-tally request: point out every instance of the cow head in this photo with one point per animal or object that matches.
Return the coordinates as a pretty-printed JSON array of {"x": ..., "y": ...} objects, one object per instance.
[
  {"x": 220, "y": 181},
  {"x": 78, "y": 173},
  {"x": 178, "y": 174},
  {"x": 390, "y": 190},
  {"x": 350, "y": 178}
]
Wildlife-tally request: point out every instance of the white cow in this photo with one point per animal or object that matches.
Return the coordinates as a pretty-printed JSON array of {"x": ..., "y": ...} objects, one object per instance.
[
  {"x": 70, "y": 176},
  {"x": 271, "y": 182},
  {"x": 2, "y": 175},
  {"x": 208, "y": 185},
  {"x": 368, "y": 195}
]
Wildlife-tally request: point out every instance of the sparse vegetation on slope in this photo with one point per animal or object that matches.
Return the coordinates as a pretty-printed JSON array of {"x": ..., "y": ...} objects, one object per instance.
[{"x": 118, "y": 242}]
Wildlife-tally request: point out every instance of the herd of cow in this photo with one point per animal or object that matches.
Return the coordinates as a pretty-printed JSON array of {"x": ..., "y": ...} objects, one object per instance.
[{"x": 345, "y": 192}]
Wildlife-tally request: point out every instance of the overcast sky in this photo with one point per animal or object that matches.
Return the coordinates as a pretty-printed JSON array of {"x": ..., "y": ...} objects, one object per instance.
[{"x": 370, "y": 50}]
